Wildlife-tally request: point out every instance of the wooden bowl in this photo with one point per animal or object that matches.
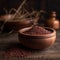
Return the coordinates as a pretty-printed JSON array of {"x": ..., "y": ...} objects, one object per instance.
[
  {"x": 14, "y": 24},
  {"x": 37, "y": 41},
  {"x": 3, "y": 18}
]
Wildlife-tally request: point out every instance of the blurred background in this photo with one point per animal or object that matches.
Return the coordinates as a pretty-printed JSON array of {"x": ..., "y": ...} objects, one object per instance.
[{"x": 47, "y": 5}]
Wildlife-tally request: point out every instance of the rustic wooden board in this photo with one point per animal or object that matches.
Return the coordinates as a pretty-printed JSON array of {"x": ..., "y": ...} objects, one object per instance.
[{"x": 52, "y": 52}]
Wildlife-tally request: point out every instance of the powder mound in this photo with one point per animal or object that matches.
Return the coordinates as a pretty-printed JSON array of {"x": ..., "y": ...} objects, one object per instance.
[{"x": 37, "y": 30}]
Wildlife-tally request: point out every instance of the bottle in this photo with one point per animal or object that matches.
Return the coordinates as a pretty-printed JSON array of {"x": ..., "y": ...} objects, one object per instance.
[
  {"x": 52, "y": 21},
  {"x": 41, "y": 21}
]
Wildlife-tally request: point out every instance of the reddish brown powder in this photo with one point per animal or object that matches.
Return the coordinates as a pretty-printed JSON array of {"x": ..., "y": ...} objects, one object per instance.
[
  {"x": 37, "y": 30},
  {"x": 16, "y": 52}
]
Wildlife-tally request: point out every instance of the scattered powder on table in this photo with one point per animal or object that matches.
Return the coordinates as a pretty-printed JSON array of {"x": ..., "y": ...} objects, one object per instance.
[
  {"x": 36, "y": 30},
  {"x": 16, "y": 52}
]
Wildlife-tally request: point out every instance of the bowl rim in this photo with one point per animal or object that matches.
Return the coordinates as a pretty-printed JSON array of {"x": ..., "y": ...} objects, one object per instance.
[
  {"x": 53, "y": 33},
  {"x": 13, "y": 20}
]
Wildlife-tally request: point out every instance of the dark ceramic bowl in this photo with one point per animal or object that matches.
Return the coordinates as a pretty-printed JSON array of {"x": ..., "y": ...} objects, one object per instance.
[{"x": 37, "y": 41}]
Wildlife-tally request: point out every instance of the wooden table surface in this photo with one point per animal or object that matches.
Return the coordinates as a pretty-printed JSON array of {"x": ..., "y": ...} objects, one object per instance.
[{"x": 52, "y": 53}]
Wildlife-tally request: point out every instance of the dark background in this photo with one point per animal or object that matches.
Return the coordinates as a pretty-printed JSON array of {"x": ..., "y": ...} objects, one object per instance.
[{"x": 47, "y": 5}]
